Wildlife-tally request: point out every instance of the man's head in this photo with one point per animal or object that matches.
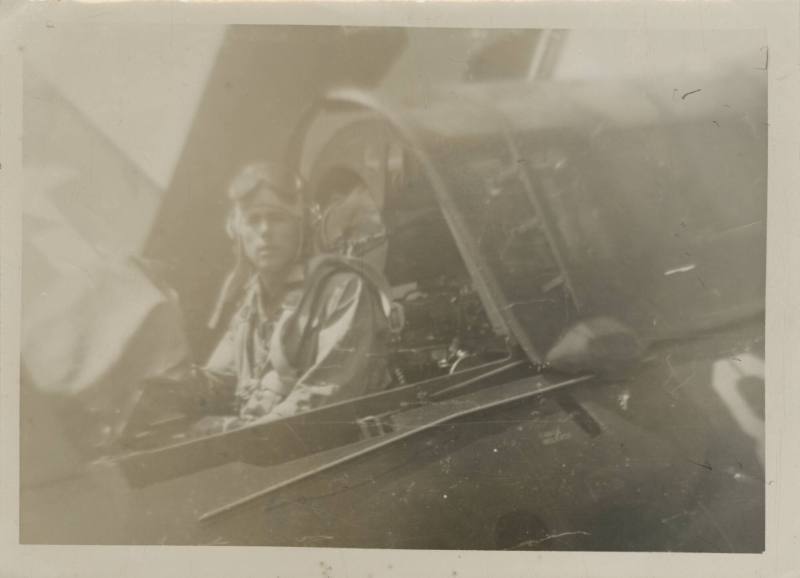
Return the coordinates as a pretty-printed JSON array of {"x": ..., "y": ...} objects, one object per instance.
[{"x": 267, "y": 218}]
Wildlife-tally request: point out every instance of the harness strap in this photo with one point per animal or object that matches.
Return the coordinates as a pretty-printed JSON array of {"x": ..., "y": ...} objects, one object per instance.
[{"x": 322, "y": 269}]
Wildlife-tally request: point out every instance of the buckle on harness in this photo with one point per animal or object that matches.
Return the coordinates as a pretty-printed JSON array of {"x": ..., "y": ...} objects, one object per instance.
[{"x": 375, "y": 425}]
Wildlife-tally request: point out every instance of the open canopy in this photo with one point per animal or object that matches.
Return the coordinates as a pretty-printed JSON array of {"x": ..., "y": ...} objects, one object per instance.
[{"x": 643, "y": 200}]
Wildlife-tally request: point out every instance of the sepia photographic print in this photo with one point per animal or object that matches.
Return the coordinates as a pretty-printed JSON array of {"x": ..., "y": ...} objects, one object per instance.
[{"x": 393, "y": 287}]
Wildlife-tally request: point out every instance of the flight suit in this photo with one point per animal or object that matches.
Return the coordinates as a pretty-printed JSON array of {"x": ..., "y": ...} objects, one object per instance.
[{"x": 323, "y": 340}]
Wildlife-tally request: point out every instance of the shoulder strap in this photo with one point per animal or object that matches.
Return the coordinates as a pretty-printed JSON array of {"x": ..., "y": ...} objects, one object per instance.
[{"x": 321, "y": 270}]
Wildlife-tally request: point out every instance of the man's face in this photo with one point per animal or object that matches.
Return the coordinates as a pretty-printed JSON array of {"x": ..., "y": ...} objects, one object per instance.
[{"x": 270, "y": 236}]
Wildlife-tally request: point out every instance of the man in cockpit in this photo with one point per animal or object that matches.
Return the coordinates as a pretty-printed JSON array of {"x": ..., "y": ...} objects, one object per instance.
[{"x": 303, "y": 330}]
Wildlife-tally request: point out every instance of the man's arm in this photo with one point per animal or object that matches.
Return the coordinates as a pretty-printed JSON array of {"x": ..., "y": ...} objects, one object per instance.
[
  {"x": 216, "y": 381},
  {"x": 208, "y": 390},
  {"x": 350, "y": 348}
]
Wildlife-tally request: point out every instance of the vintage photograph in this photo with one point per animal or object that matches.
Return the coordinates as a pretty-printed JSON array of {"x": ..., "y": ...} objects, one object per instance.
[{"x": 386, "y": 287}]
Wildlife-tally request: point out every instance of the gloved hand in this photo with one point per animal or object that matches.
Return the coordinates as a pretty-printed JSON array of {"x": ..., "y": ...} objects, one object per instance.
[
  {"x": 260, "y": 404},
  {"x": 262, "y": 397}
]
